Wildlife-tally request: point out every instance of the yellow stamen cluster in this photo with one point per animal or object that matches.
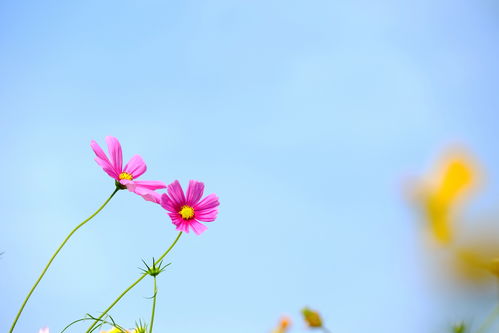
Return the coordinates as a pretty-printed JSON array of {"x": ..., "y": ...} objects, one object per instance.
[
  {"x": 187, "y": 212},
  {"x": 125, "y": 175}
]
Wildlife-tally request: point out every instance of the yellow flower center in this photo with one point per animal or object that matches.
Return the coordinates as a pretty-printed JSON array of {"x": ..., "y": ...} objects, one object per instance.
[
  {"x": 125, "y": 175},
  {"x": 187, "y": 212}
]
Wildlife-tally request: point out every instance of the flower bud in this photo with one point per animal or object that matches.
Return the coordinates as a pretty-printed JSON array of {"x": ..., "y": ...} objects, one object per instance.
[{"x": 312, "y": 318}]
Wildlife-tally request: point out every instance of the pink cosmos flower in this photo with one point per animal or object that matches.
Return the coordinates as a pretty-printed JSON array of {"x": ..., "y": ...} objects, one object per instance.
[
  {"x": 187, "y": 210},
  {"x": 125, "y": 177},
  {"x": 44, "y": 330}
]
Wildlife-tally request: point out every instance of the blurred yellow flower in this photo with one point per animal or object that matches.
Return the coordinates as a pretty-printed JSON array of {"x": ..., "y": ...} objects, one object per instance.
[
  {"x": 112, "y": 330},
  {"x": 312, "y": 318},
  {"x": 283, "y": 325},
  {"x": 494, "y": 267},
  {"x": 478, "y": 260},
  {"x": 117, "y": 330},
  {"x": 140, "y": 328},
  {"x": 440, "y": 193}
]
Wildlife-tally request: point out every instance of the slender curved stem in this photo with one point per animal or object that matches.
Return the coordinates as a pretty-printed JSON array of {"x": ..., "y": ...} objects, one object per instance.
[
  {"x": 489, "y": 320},
  {"x": 53, "y": 257},
  {"x": 112, "y": 323},
  {"x": 132, "y": 285},
  {"x": 153, "y": 305}
]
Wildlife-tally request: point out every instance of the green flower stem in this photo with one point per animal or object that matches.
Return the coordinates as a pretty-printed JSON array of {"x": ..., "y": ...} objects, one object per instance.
[
  {"x": 132, "y": 285},
  {"x": 53, "y": 257},
  {"x": 153, "y": 305},
  {"x": 110, "y": 323}
]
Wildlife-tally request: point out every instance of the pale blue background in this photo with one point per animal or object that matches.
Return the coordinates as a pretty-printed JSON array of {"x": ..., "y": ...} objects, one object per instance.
[{"x": 305, "y": 117}]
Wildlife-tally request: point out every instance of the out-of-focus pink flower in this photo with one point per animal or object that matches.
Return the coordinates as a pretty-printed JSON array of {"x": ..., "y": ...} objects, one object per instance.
[
  {"x": 125, "y": 177},
  {"x": 187, "y": 210},
  {"x": 44, "y": 330}
]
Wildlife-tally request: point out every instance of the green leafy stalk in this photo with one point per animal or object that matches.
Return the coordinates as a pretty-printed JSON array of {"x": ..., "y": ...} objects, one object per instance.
[
  {"x": 53, "y": 257},
  {"x": 132, "y": 285}
]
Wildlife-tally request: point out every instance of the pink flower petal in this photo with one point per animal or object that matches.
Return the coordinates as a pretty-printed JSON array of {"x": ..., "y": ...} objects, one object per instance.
[
  {"x": 107, "y": 167},
  {"x": 144, "y": 191},
  {"x": 204, "y": 210},
  {"x": 194, "y": 192},
  {"x": 182, "y": 226},
  {"x": 148, "y": 195},
  {"x": 102, "y": 160},
  {"x": 176, "y": 219},
  {"x": 209, "y": 202},
  {"x": 136, "y": 166},
  {"x": 130, "y": 184},
  {"x": 98, "y": 150},
  {"x": 150, "y": 184},
  {"x": 114, "y": 148},
  {"x": 198, "y": 228},
  {"x": 167, "y": 203},
  {"x": 176, "y": 193},
  {"x": 207, "y": 215}
]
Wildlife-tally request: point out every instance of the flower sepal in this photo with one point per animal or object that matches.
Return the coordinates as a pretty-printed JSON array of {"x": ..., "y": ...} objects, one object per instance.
[
  {"x": 155, "y": 269},
  {"x": 140, "y": 327},
  {"x": 119, "y": 185}
]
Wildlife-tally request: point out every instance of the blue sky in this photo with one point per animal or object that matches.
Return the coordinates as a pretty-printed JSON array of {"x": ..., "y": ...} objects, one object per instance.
[{"x": 304, "y": 117}]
